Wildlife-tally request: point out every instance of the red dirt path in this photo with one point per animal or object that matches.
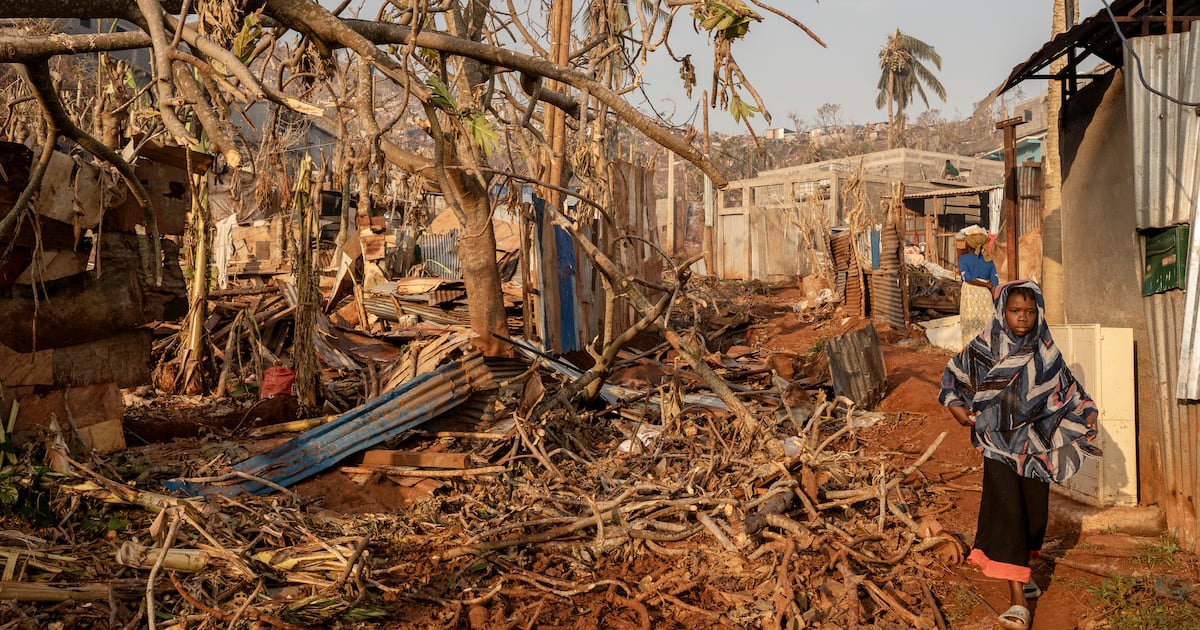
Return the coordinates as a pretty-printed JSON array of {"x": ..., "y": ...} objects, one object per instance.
[{"x": 915, "y": 419}]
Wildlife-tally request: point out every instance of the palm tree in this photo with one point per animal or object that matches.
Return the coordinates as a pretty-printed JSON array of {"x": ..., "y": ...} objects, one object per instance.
[{"x": 901, "y": 59}]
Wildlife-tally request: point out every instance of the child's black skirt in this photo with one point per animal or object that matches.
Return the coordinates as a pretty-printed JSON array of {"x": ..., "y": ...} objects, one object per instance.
[{"x": 1012, "y": 522}]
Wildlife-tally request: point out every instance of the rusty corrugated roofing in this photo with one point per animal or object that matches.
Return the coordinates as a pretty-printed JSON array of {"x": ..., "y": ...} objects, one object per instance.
[{"x": 1097, "y": 36}]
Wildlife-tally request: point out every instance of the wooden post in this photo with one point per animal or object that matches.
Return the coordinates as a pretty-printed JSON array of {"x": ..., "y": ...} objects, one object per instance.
[
  {"x": 669, "y": 237},
  {"x": 934, "y": 242},
  {"x": 1010, "y": 190}
]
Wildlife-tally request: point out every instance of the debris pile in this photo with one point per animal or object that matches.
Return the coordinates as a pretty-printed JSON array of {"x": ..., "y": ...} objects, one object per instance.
[{"x": 646, "y": 510}]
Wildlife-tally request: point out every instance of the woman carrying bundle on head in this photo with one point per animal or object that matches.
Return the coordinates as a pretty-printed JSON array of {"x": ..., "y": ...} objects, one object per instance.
[{"x": 979, "y": 279}]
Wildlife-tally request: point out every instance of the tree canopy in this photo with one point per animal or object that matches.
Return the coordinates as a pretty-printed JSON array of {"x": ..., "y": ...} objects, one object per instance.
[{"x": 903, "y": 73}]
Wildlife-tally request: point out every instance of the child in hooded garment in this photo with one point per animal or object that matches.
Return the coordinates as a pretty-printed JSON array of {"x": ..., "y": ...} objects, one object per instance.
[{"x": 1032, "y": 422}]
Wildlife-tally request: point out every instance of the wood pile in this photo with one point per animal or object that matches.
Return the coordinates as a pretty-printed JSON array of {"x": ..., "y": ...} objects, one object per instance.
[
  {"x": 929, "y": 292},
  {"x": 647, "y": 509}
]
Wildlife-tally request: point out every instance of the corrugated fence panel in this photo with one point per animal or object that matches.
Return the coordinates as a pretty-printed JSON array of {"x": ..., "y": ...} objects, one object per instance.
[
  {"x": 1029, "y": 199},
  {"x": 887, "y": 297},
  {"x": 1179, "y": 422},
  {"x": 439, "y": 253}
]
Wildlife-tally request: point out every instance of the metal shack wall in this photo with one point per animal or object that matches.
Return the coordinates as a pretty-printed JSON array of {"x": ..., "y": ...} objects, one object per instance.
[
  {"x": 1166, "y": 148},
  {"x": 1100, "y": 250}
]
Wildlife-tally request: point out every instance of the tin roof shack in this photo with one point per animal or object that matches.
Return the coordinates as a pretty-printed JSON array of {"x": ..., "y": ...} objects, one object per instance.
[
  {"x": 79, "y": 288},
  {"x": 760, "y": 223},
  {"x": 1129, "y": 143}
]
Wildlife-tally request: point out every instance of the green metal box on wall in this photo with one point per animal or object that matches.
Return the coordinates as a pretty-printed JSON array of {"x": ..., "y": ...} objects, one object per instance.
[{"x": 1166, "y": 260}]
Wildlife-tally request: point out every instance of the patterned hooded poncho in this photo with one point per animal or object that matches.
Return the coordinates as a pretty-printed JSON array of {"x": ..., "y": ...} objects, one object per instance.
[{"x": 1031, "y": 409}]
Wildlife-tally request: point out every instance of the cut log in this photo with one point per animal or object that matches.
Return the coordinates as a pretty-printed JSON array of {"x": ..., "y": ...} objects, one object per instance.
[{"x": 85, "y": 307}]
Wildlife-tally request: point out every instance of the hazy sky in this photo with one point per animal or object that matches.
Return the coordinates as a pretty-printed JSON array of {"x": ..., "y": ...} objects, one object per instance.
[{"x": 980, "y": 41}]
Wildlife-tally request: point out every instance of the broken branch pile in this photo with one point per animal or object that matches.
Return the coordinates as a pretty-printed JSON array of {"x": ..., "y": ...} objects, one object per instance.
[{"x": 671, "y": 526}]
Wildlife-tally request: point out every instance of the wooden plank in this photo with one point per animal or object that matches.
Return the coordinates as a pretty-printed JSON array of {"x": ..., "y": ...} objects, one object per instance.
[
  {"x": 416, "y": 459},
  {"x": 52, "y": 265},
  {"x": 373, "y": 245},
  {"x": 168, "y": 190}
]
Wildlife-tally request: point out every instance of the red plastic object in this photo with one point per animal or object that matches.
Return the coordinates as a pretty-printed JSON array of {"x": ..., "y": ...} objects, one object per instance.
[{"x": 277, "y": 381}]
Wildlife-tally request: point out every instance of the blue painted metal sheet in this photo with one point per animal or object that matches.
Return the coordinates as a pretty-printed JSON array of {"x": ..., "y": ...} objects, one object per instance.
[
  {"x": 568, "y": 300},
  {"x": 396, "y": 411}
]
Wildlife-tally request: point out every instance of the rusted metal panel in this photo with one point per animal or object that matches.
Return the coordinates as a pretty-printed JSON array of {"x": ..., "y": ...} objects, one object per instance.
[
  {"x": 856, "y": 364},
  {"x": 1178, "y": 422},
  {"x": 385, "y": 308},
  {"x": 1166, "y": 156},
  {"x": 887, "y": 299},
  {"x": 887, "y": 291},
  {"x": 383, "y": 418},
  {"x": 1166, "y": 144},
  {"x": 1029, "y": 198},
  {"x": 849, "y": 275}
]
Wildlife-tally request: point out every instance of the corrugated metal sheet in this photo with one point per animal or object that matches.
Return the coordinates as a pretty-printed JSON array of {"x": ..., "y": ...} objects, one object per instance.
[
  {"x": 849, "y": 276},
  {"x": 1179, "y": 423},
  {"x": 1166, "y": 135},
  {"x": 953, "y": 192},
  {"x": 1166, "y": 145},
  {"x": 380, "y": 419},
  {"x": 887, "y": 295},
  {"x": 856, "y": 365},
  {"x": 1029, "y": 199},
  {"x": 439, "y": 253}
]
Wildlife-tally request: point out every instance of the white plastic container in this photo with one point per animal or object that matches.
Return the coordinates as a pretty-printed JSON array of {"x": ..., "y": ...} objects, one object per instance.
[{"x": 944, "y": 332}]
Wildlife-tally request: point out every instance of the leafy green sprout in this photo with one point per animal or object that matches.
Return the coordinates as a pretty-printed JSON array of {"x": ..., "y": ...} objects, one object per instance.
[{"x": 1161, "y": 552}]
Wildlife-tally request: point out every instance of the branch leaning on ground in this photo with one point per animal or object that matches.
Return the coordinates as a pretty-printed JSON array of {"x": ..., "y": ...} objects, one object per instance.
[{"x": 605, "y": 361}]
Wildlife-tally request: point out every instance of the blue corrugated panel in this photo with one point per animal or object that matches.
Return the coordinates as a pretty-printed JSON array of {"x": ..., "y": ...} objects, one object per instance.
[
  {"x": 396, "y": 411},
  {"x": 567, "y": 300}
]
